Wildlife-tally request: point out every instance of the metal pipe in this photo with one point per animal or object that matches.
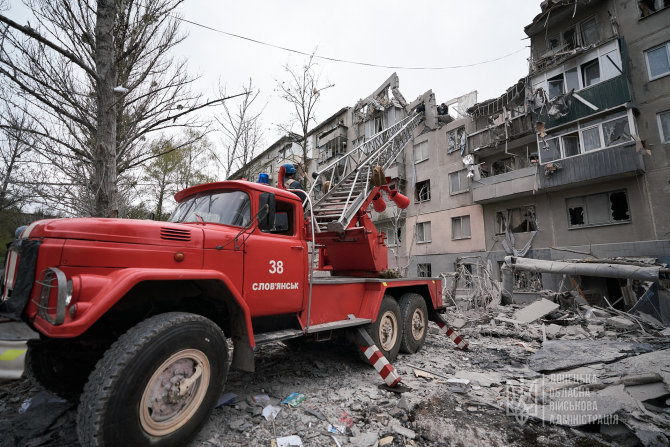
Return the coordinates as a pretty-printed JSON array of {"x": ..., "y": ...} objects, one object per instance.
[{"x": 586, "y": 269}]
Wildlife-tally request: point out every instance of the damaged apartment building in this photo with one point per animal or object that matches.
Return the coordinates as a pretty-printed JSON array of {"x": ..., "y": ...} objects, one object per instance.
[
  {"x": 570, "y": 162},
  {"x": 573, "y": 160}
]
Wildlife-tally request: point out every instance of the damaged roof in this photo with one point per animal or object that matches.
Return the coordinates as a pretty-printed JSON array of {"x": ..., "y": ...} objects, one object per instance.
[
  {"x": 549, "y": 7},
  {"x": 491, "y": 106}
]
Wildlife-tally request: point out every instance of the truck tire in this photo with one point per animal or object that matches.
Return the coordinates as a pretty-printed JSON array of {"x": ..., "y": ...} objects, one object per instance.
[
  {"x": 414, "y": 318},
  {"x": 386, "y": 331},
  {"x": 54, "y": 366},
  {"x": 156, "y": 385}
]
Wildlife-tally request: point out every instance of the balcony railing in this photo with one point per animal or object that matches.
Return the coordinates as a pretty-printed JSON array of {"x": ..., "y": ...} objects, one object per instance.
[
  {"x": 494, "y": 135},
  {"x": 604, "y": 95},
  {"x": 614, "y": 161},
  {"x": 503, "y": 186}
]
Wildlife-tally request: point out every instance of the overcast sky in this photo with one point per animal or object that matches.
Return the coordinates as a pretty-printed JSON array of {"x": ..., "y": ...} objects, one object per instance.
[{"x": 395, "y": 33}]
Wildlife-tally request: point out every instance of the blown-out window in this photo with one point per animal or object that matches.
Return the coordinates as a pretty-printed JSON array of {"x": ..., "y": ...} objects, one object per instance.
[{"x": 598, "y": 209}]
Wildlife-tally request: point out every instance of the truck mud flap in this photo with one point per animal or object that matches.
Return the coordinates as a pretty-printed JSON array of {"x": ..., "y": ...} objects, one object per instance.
[
  {"x": 377, "y": 359},
  {"x": 449, "y": 332},
  {"x": 14, "y": 338}
]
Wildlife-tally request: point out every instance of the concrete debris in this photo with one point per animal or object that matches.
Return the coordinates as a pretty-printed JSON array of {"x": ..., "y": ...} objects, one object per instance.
[
  {"x": 541, "y": 363},
  {"x": 458, "y": 323},
  {"x": 364, "y": 440},
  {"x": 621, "y": 323},
  {"x": 535, "y": 311},
  {"x": 563, "y": 354},
  {"x": 406, "y": 432}
]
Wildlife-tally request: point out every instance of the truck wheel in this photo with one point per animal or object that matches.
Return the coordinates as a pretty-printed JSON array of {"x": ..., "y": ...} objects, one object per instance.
[
  {"x": 156, "y": 385},
  {"x": 386, "y": 331},
  {"x": 414, "y": 317},
  {"x": 57, "y": 367}
]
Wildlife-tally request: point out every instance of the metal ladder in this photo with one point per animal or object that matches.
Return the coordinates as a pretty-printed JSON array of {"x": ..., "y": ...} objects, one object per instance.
[{"x": 335, "y": 210}]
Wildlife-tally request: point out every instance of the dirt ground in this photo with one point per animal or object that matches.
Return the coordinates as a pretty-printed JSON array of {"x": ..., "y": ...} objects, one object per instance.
[{"x": 344, "y": 393}]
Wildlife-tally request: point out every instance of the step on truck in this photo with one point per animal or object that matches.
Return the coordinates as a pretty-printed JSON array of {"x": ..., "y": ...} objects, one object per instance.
[{"x": 134, "y": 316}]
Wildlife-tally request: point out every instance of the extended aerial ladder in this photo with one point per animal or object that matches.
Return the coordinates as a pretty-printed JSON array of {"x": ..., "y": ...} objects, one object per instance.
[
  {"x": 336, "y": 209},
  {"x": 347, "y": 240}
]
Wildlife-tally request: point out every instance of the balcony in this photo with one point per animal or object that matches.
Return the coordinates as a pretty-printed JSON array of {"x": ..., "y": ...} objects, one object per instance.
[
  {"x": 495, "y": 134},
  {"x": 604, "y": 95},
  {"x": 339, "y": 131},
  {"x": 504, "y": 186},
  {"x": 616, "y": 161}
]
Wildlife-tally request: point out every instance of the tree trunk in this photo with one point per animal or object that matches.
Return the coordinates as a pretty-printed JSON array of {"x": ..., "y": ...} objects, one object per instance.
[{"x": 104, "y": 176}]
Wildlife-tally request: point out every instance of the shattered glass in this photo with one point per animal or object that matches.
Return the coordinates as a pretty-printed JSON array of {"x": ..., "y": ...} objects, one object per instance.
[{"x": 616, "y": 131}]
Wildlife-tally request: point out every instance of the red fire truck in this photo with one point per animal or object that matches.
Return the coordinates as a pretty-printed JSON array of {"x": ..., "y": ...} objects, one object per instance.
[{"x": 133, "y": 315}]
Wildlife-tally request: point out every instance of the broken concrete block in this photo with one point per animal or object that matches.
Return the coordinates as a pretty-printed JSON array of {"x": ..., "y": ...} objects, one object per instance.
[
  {"x": 481, "y": 379},
  {"x": 536, "y": 310},
  {"x": 458, "y": 323},
  {"x": 621, "y": 323},
  {"x": 552, "y": 330},
  {"x": 458, "y": 385},
  {"x": 406, "y": 432},
  {"x": 388, "y": 440},
  {"x": 364, "y": 440},
  {"x": 647, "y": 391}
]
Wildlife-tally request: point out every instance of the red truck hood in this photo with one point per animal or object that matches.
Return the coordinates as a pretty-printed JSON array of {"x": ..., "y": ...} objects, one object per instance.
[{"x": 127, "y": 231}]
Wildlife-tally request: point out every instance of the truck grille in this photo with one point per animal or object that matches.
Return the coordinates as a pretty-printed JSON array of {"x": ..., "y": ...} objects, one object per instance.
[{"x": 175, "y": 234}]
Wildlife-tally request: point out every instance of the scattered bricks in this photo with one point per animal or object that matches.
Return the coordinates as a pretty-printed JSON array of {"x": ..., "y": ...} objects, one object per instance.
[{"x": 621, "y": 323}]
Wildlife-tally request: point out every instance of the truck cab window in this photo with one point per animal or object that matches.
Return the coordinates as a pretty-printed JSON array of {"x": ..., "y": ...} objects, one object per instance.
[
  {"x": 284, "y": 219},
  {"x": 226, "y": 207}
]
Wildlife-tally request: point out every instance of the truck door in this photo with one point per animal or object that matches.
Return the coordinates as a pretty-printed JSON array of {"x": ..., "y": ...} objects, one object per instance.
[{"x": 275, "y": 263}]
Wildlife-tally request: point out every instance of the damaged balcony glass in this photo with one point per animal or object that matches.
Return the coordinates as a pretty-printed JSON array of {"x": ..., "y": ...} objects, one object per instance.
[{"x": 520, "y": 220}]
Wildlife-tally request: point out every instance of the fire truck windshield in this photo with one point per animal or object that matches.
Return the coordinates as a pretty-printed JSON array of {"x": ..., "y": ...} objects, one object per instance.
[{"x": 228, "y": 207}]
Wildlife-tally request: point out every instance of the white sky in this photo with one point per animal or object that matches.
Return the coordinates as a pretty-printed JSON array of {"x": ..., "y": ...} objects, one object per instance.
[{"x": 410, "y": 33}]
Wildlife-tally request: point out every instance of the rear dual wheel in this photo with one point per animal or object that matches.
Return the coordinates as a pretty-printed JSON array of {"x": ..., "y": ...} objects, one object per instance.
[{"x": 156, "y": 385}]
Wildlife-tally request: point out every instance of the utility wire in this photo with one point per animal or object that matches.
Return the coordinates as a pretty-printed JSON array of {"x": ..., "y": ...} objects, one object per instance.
[{"x": 345, "y": 61}]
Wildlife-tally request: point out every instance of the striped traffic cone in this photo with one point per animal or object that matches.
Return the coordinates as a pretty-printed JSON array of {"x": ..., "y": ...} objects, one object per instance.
[{"x": 377, "y": 359}]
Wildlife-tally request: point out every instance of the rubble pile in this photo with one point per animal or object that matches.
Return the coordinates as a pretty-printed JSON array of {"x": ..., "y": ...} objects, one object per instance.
[{"x": 549, "y": 373}]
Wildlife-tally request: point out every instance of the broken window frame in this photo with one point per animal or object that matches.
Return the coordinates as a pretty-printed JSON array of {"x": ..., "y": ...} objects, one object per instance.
[
  {"x": 420, "y": 152},
  {"x": 424, "y": 270},
  {"x": 600, "y": 54},
  {"x": 658, "y": 5},
  {"x": 583, "y": 130},
  {"x": 595, "y": 31},
  {"x": 527, "y": 281},
  {"x": 589, "y": 214},
  {"x": 463, "y": 182},
  {"x": 456, "y": 140},
  {"x": 422, "y": 191},
  {"x": 422, "y": 232},
  {"x": 526, "y": 212},
  {"x": 662, "y": 117},
  {"x": 556, "y": 86},
  {"x": 462, "y": 223},
  {"x": 664, "y": 46}
]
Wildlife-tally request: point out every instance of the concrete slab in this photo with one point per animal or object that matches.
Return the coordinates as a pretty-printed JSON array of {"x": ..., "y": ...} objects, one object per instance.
[
  {"x": 647, "y": 391},
  {"x": 563, "y": 354},
  {"x": 621, "y": 323},
  {"x": 535, "y": 311}
]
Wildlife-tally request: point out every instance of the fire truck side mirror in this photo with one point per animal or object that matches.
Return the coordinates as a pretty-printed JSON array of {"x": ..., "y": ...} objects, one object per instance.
[{"x": 266, "y": 211}]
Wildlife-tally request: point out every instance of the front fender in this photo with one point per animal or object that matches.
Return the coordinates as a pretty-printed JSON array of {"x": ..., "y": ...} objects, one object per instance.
[{"x": 103, "y": 292}]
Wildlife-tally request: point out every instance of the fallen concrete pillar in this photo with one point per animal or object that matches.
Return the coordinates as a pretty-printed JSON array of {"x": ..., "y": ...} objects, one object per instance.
[{"x": 586, "y": 269}]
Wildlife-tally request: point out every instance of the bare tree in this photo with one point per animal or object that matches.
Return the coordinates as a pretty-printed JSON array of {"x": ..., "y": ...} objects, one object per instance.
[
  {"x": 16, "y": 156},
  {"x": 241, "y": 128},
  {"x": 98, "y": 81},
  {"x": 302, "y": 91}
]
